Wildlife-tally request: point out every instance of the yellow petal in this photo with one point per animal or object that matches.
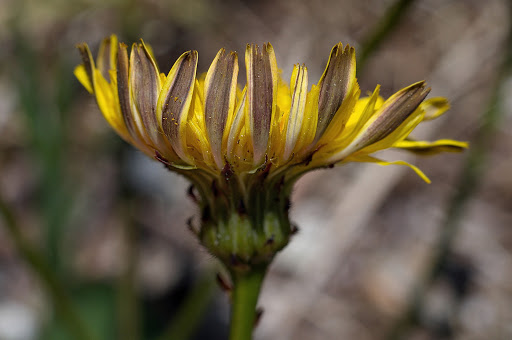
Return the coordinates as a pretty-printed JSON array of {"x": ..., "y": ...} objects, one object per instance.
[
  {"x": 431, "y": 148},
  {"x": 236, "y": 128},
  {"x": 371, "y": 159},
  {"x": 105, "y": 94},
  {"x": 107, "y": 56},
  {"x": 393, "y": 121},
  {"x": 309, "y": 123},
  {"x": 337, "y": 125},
  {"x": 435, "y": 107},
  {"x": 88, "y": 65},
  {"x": 394, "y": 112},
  {"x": 83, "y": 78},
  {"x": 299, "y": 89},
  {"x": 390, "y": 118}
]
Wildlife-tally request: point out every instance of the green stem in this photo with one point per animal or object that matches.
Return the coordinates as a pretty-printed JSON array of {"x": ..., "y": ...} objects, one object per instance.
[
  {"x": 192, "y": 310},
  {"x": 129, "y": 318},
  {"x": 388, "y": 22},
  {"x": 246, "y": 289}
]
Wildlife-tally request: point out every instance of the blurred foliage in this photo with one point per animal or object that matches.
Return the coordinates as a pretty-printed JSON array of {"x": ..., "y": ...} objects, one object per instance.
[{"x": 43, "y": 79}]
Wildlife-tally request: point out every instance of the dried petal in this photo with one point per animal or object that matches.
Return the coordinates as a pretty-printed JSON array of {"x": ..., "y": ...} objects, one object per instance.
[
  {"x": 261, "y": 95},
  {"x": 219, "y": 102},
  {"x": 174, "y": 101},
  {"x": 123, "y": 69},
  {"x": 88, "y": 67},
  {"x": 145, "y": 87},
  {"x": 335, "y": 84},
  {"x": 393, "y": 113},
  {"x": 107, "y": 56}
]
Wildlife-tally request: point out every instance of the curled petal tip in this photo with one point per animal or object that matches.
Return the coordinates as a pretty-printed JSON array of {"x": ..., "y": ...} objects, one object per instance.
[{"x": 335, "y": 85}]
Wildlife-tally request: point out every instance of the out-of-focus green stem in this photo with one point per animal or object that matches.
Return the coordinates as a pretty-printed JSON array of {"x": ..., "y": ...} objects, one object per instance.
[
  {"x": 381, "y": 31},
  {"x": 469, "y": 181},
  {"x": 50, "y": 282},
  {"x": 129, "y": 309},
  {"x": 189, "y": 313},
  {"x": 44, "y": 109},
  {"x": 246, "y": 289}
]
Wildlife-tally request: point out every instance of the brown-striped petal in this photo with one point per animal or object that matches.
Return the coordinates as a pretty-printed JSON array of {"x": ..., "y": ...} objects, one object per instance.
[
  {"x": 261, "y": 95},
  {"x": 123, "y": 91},
  {"x": 220, "y": 94},
  {"x": 145, "y": 87},
  {"x": 335, "y": 84},
  {"x": 394, "y": 112},
  {"x": 383, "y": 123},
  {"x": 431, "y": 148},
  {"x": 107, "y": 55},
  {"x": 174, "y": 101},
  {"x": 88, "y": 63},
  {"x": 236, "y": 126}
]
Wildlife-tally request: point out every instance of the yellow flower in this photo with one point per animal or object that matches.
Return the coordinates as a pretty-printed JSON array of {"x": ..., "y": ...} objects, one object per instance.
[
  {"x": 241, "y": 144},
  {"x": 205, "y": 122}
]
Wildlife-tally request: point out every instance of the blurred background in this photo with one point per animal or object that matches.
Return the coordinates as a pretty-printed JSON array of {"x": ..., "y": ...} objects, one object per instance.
[{"x": 93, "y": 237}]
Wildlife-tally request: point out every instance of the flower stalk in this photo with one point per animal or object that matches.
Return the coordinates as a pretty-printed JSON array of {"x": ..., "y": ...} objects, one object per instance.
[{"x": 244, "y": 298}]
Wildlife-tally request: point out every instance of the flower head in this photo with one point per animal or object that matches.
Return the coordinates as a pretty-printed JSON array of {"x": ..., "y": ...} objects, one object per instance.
[{"x": 248, "y": 146}]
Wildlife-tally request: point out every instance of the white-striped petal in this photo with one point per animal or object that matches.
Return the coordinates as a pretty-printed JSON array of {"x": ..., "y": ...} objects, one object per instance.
[{"x": 299, "y": 89}]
